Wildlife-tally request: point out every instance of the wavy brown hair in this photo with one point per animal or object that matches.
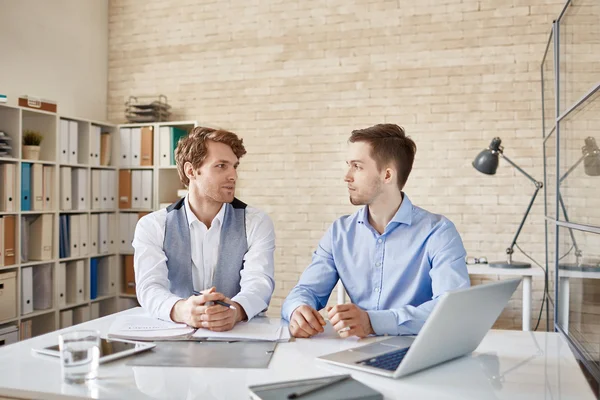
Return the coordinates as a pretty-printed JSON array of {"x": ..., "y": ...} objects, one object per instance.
[
  {"x": 389, "y": 144},
  {"x": 192, "y": 148}
]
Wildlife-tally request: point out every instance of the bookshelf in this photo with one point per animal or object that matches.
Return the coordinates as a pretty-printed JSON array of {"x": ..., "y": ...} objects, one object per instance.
[{"x": 41, "y": 289}]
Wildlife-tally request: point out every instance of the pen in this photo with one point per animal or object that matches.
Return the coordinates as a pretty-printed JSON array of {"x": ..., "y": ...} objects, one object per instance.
[
  {"x": 301, "y": 393},
  {"x": 222, "y": 303}
]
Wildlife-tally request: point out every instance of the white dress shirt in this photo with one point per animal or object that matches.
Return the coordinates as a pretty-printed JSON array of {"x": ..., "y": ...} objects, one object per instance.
[{"x": 150, "y": 262}]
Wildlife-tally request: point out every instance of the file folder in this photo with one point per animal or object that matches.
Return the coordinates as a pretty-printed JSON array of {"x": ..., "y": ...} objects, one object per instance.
[
  {"x": 94, "y": 249},
  {"x": 84, "y": 233},
  {"x": 61, "y": 284},
  {"x": 112, "y": 189},
  {"x": 164, "y": 146},
  {"x": 65, "y": 189},
  {"x": 73, "y": 142},
  {"x": 73, "y": 222},
  {"x": 124, "y": 233},
  {"x": 125, "y": 147},
  {"x": 1, "y": 242},
  {"x": 103, "y": 233},
  {"x": 146, "y": 189},
  {"x": 10, "y": 240},
  {"x": 94, "y": 311},
  {"x": 113, "y": 240},
  {"x": 136, "y": 189},
  {"x": 64, "y": 246},
  {"x": 105, "y": 149},
  {"x": 79, "y": 188},
  {"x": 105, "y": 189},
  {"x": 64, "y": 142},
  {"x": 7, "y": 187},
  {"x": 147, "y": 146},
  {"x": 26, "y": 290},
  {"x": 66, "y": 319},
  {"x": 75, "y": 282},
  {"x": 37, "y": 187},
  {"x": 95, "y": 138},
  {"x": 48, "y": 187},
  {"x": 93, "y": 278},
  {"x": 96, "y": 195},
  {"x": 129, "y": 281},
  {"x": 42, "y": 287},
  {"x": 125, "y": 189},
  {"x": 40, "y": 239},
  {"x": 136, "y": 146},
  {"x": 81, "y": 314},
  {"x": 26, "y": 186}
]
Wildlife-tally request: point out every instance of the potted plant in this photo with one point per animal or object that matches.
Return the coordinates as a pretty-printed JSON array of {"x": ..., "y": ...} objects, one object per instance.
[{"x": 31, "y": 144}]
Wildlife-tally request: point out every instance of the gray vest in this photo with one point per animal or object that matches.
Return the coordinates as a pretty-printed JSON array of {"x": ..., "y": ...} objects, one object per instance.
[{"x": 232, "y": 248}]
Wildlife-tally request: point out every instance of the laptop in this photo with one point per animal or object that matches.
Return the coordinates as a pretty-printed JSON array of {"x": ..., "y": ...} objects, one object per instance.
[{"x": 455, "y": 328}]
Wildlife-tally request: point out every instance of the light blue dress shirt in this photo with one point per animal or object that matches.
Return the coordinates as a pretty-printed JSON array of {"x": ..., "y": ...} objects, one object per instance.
[{"x": 397, "y": 276}]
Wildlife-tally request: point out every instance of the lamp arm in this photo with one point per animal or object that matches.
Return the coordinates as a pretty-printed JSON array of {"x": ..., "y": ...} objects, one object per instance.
[
  {"x": 564, "y": 209},
  {"x": 572, "y": 168},
  {"x": 536, "y": 183},
  {"x": 510, "y": 250}
]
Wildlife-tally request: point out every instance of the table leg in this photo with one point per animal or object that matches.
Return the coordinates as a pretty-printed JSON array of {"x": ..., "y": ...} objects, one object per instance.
[
  {"x": 563, "y": 302},
  {"x": 527, "y": 303}
]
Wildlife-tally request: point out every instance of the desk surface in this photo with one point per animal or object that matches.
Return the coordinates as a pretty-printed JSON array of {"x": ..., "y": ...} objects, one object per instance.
[{"x": 507, "y": 365}]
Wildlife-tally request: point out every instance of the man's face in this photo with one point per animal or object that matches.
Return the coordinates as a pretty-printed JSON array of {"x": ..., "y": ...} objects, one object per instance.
[
  {"x": 217, "y": 175},
  {"x": 365, "y": 182}
]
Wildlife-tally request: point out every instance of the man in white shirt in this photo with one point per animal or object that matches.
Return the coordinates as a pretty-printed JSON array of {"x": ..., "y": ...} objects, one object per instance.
[{"x": 208, "y": 242}]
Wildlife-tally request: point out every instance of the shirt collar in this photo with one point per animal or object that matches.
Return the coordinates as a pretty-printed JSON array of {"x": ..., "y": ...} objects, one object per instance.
[
  {"x": 191, "y": 217},
  {"x": 402, "y": 216}
]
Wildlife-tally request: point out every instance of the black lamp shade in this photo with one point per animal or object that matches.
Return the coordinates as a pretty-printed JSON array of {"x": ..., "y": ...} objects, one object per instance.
[{"x": 486, "y": 162}]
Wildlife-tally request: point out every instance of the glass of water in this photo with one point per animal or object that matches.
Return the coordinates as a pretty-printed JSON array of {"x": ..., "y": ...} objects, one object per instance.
[{"x": 79, "y": 355}]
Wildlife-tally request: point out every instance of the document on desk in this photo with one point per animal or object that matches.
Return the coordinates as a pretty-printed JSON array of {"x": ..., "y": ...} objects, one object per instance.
[{"x": 146, "y": 328}]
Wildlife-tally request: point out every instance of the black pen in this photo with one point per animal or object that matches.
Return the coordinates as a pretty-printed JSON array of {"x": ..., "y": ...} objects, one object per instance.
[
  {"x": 301, "y": 393},
  {"x": 222, "y": 303}
]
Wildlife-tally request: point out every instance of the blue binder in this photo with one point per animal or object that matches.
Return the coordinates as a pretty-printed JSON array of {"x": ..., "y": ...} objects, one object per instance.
[
  {"x": 26, "y": 187},
  {"x": 93, "y": 278}
]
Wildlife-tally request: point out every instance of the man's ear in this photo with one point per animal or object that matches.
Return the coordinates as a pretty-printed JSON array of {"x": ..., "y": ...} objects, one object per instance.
[
  {"x": 389, "y": 175},
  {"x": 188, "y": 168}
]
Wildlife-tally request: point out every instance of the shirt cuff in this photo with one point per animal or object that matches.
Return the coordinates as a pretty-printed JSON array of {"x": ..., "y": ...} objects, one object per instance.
[
  {"x": 252, "y": 304},
  {"x": 164, "y": 312},
  {"x": 289, "y": 307},
  {"x": 383, "y": 322}
]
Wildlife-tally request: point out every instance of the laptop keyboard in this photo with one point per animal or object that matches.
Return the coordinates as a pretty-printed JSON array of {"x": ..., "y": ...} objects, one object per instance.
[{"x": 388, "y": 361}]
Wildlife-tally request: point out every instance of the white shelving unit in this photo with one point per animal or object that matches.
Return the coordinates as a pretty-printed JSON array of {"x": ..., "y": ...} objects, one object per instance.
[{"x": 13, "y": 121}]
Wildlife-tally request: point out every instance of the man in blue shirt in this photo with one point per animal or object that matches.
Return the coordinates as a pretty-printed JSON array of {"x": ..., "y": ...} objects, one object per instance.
[{"x": 394, "y": 258}]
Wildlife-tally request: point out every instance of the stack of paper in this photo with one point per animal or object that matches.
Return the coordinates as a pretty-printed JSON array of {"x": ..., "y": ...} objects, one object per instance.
[{"x": 145, "y": 327}]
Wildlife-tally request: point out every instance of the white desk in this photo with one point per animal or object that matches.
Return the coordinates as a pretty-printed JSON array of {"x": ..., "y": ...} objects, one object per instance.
[
  {"x": 526, "y": 273},
  {"x": 507, "y": 365}
]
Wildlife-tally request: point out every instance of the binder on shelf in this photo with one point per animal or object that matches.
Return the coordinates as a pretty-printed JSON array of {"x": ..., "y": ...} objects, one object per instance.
[
  {"x": 84, "y": 234},
  {"x": 8, "y": 295},
  {"x": 42, "y": 287},
  {"x": 136, "y": 189},
  {"x": 73, "y": 142},
  {"x": 105, "y": 149},
  {"x": 164, "y": 146},
  {"x": 26, "y": 186},
  {"x": 10, "y": 241},
  {"x": 1, "y": 242},
  {"x": 65, "y": 189},
  {"x": 25, "y": 223},
  {"x": 96, "y": 194},
  {"x": 176, "y": 135},
  {"x": 103, "y": 233},
  {"x": 37, "y": 187},
  {"x": 73, "y": 223},
  {"x": 95, "y": 139},
  {"x": 25, "y": 330},
  {"x": 26, "y": 290},
  {"x": 112, "y": 189},
  {"x": 93, "y": 278},
  {"x": 125, "y": 146},
  {"x": 113, "y": 239},
  {"x": 94, "y": 311},
  {"x": 48, "y": 187},
  {"x": 64, "y": 245},
  {"x": 147, "y": 146},
  {"x": 66, "y": 319},
  {"x": 124, "y": 233},
  {"x": 64, "y": 141},
  {"x": 79, "y": 188},
  {"x": 146, "y": 189},
  {"x": 129, "y": 281},
  {"x": 81, "y": 314},
  {"x": 105, "y": 189},
  {"x": 94, "y": 249},
  {"x": 136, "y": 146},
  {"x": 107, "y": 279},
  {"x": 61, "y": 284},
  {"x": 7, "y": 187},
  {"x": 125, "y": 189},
  {"x": 75, "y": 282},
  {"x": 40, "y": 239}
]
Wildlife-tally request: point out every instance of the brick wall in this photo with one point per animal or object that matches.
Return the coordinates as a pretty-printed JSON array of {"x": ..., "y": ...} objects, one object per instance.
[{"x": 294, "y": 78}]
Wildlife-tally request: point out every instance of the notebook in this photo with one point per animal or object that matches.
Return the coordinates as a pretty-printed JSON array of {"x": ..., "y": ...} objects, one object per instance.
[
  {"x": 143, "y": 327},
  {"x": 316, "y": 389}
]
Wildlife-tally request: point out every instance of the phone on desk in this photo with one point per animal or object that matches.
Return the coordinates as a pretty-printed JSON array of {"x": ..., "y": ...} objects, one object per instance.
[{"x": 110, "y": 349}]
